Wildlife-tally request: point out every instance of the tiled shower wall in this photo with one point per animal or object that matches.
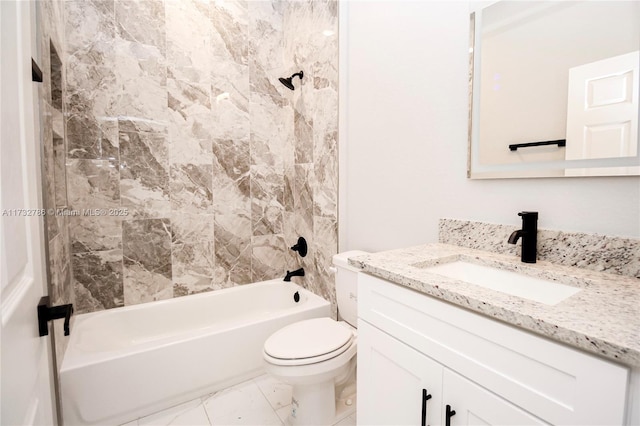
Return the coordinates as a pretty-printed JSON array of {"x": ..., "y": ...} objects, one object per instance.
[{"x": 191, "y": 168}]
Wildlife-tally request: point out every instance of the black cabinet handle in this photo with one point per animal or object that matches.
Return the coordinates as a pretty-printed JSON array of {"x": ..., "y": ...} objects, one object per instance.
[
  {"x": 447, "y": 416},
  {"x": 425, "y": 398}
]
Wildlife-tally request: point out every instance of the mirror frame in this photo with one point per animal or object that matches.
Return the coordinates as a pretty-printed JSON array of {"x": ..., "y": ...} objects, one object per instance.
[{"x": 596, "y": 167}]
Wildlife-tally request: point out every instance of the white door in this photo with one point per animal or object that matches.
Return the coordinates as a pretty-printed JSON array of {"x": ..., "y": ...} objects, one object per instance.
[
  {"x": 602, "y": 110},
  {"x": 474, "y": 405},
  {"x": 25, "y": 369},
  {"x": 393, "y": 380}
]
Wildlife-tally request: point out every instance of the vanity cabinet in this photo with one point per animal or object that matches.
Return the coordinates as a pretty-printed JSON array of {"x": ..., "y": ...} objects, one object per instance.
[
  {"x": 401, "y": 386},
  {"x": 414, "y": 348}
]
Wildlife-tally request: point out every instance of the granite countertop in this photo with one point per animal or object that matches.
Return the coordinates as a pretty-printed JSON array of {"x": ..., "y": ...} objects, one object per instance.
[{"x": 603, "y": 318}]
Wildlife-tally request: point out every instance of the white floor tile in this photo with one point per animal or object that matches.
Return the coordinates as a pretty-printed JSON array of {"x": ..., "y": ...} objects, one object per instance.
[
  {"x": 347, "y": 421},
  {"x": 277, "y": 393},
  {"x": 283, "y": 413},
  {"x": 188, "y": 414},
  {"x": 263, "y": 401},
  {"x": 243, "y": 404}
]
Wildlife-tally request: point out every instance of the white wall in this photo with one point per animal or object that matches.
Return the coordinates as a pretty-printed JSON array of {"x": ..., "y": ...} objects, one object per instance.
[{"x": 403, "y": 138}]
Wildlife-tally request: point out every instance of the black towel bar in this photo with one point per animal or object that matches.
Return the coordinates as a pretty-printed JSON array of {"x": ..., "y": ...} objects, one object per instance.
[{"x": 559, "y": 142}]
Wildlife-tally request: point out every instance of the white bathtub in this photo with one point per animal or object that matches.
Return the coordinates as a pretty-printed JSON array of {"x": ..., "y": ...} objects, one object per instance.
[{"x": 129, "y": 362}]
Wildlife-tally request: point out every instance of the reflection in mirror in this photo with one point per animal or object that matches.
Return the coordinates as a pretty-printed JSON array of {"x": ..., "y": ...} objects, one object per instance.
[{"x": 555, "y": 89}]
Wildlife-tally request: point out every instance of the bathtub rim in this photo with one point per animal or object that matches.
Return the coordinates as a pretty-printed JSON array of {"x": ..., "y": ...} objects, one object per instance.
[{"x": 75, "y": 358}]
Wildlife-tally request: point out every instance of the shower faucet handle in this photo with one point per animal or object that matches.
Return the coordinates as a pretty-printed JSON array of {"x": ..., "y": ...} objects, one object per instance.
[{"x": 301, "y": 247}]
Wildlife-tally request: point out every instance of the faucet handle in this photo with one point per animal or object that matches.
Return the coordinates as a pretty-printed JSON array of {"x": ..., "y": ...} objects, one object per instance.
[
  {"x": 528, "y": 214},
  {"x": 301, "y": 247}
]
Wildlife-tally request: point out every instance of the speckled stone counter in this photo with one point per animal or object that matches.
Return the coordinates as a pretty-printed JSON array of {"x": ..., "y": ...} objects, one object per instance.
[
  {"x": 601, "y": 253},
  {"x": 603, "y": 318}
]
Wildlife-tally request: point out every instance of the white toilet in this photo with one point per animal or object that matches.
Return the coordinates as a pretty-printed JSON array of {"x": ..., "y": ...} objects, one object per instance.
[{"x": 318, "y": 356}]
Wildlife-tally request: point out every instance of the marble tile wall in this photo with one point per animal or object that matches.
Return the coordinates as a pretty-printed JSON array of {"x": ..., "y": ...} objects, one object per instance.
[
  {"x": 601, "y": 253},
  {"x": 311, "y": 167},
  {"x": 198, "y": 167}
]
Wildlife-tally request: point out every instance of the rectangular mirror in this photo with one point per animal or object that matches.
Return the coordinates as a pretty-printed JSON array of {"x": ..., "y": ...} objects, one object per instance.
[{"x": 554, "y": 89}]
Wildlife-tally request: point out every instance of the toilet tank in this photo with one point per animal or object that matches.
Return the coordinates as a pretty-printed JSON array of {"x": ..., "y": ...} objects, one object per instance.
[{"x": 346, "y": 279}]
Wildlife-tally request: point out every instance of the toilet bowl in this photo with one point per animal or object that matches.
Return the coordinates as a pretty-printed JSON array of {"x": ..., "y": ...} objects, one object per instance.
[{"x": 318, "y": 356}]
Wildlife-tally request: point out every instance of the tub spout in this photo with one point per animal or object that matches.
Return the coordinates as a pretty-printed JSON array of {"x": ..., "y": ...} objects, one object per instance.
[{"x": 296, "y": 273}]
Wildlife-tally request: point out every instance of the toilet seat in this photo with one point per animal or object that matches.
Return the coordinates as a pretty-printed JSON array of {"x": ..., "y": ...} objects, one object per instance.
[{"x": 308, "y": 342}]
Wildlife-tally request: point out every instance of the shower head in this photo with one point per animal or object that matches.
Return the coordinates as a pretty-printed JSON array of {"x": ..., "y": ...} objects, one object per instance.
[{"x": 288, "y": 82}]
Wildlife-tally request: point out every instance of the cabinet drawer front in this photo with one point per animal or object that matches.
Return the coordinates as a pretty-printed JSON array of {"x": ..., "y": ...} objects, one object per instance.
[{"x": 552, "y": 381}]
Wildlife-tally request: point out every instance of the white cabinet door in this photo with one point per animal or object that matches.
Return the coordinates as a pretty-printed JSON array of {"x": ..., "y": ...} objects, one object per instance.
[
  {"x": 392, "y": 381},
  {"x": 474, "y": 405}
]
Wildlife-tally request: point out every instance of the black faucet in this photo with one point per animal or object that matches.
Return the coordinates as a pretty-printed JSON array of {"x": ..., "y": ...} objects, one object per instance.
[
  {"x": 529, "y": 234},
  {"x": 296, "y": 273}
]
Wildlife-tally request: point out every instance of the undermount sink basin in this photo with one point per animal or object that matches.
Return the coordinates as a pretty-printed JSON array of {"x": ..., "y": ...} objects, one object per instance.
[{"x": 513, "y": 283}]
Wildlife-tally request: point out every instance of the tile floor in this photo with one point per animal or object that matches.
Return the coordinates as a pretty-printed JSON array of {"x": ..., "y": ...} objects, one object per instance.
[{"x": 262, "y": 401}]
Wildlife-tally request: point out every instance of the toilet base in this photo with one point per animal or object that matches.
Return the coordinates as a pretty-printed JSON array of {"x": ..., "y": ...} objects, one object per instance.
[
  {"x": 318, "y": 404},
  {"x": 345, "y": 407},
  {"x": 322, "y": 403},
  {"x": 313, "y": 405}
]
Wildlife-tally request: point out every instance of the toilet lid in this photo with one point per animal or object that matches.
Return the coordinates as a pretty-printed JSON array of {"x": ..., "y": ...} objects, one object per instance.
[{"x": 308, "y": 339}]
